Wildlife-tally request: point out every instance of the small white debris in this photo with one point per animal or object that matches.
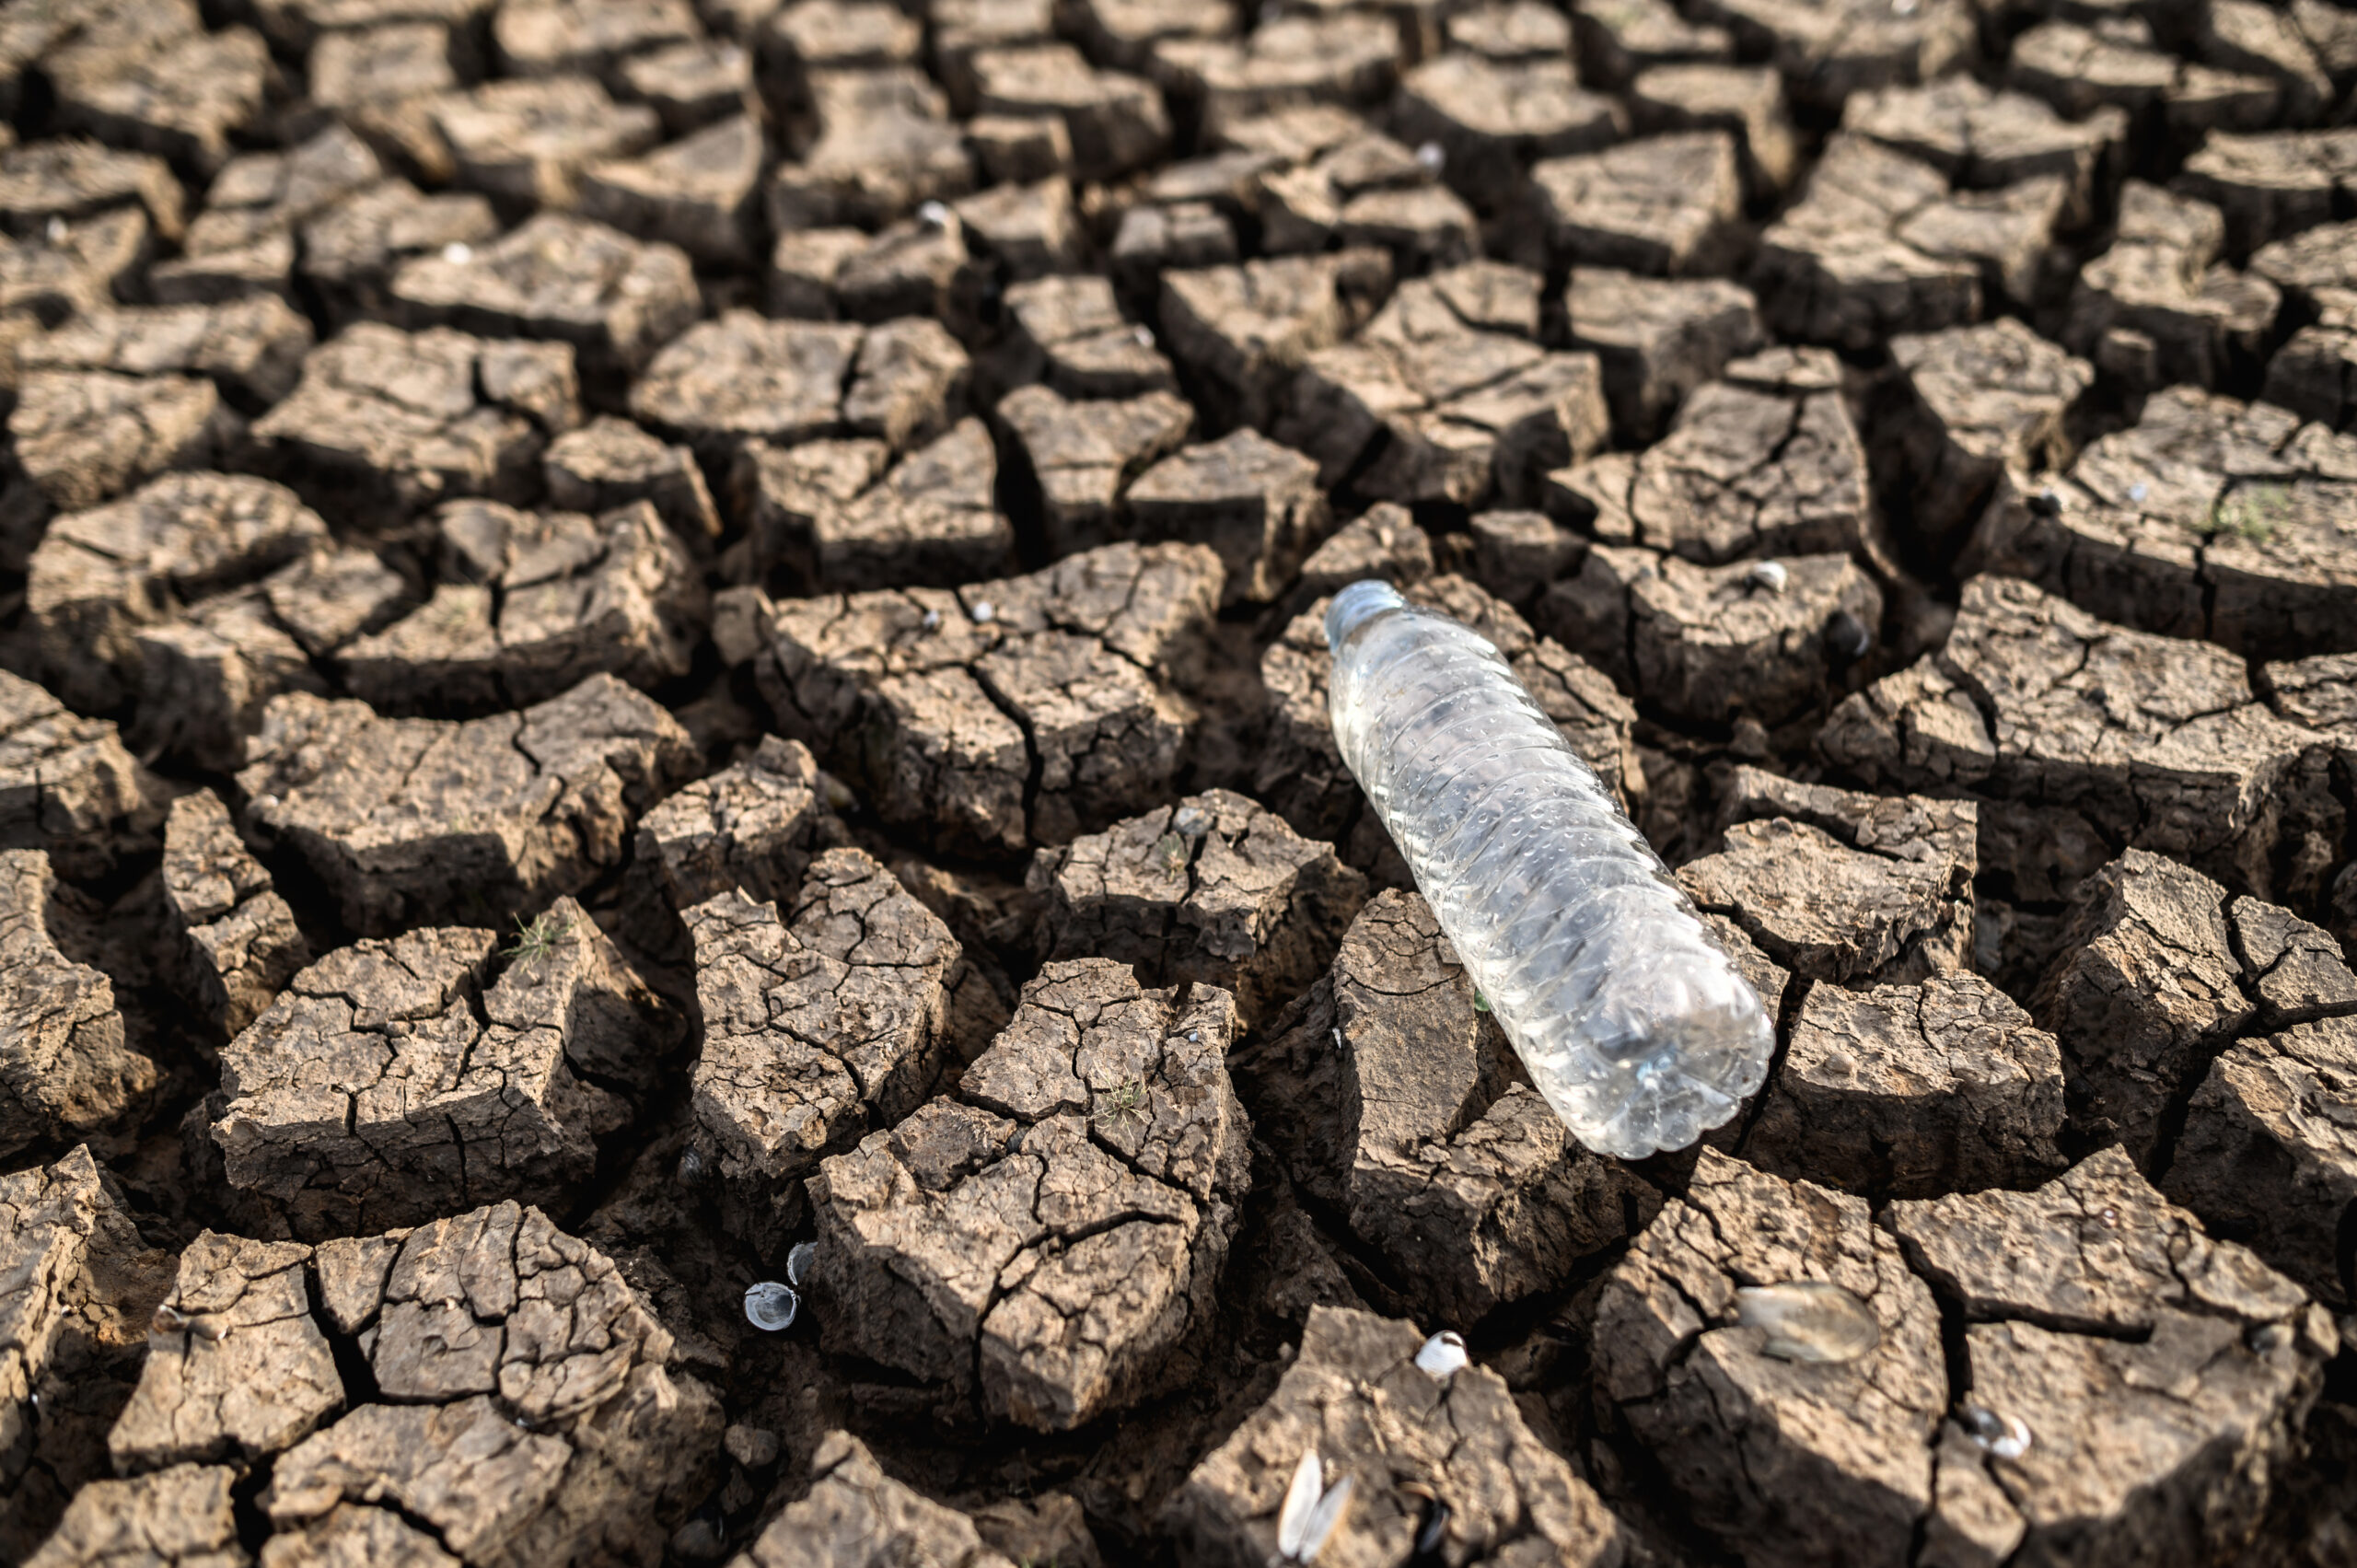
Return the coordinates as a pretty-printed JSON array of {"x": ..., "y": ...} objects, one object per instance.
[
  {"x": 1310, "y": 1511},
  {"x": 458, "y": 253},
  {"x": 1432, "y": 157},
  {"x": 1443, "y": 1355},
  {"x": 984, "y": 612},
  {"x": 265, "y": 803},
  {"x": 1841, "y": 1064},
  {"x": 1811, "y": 1321},
  {"x": 935, "y": 214},
  {"x": 1904, "y": 7},
  {"x": 1338, "y": 1037},
  {"x": 770, "y": 1305},
  {"x": 2004, "y": 1435},
  {"x": 1194, "y": 1036},
  {"x": 797, "y": 1262},
  {"x": 55, "y": 230},
  {"x": 2138, "y": 490},
  {"x": 1143, "y": 333},
  {"x": 1771, "y": 576},
  {"x": 931, "y": 620}
]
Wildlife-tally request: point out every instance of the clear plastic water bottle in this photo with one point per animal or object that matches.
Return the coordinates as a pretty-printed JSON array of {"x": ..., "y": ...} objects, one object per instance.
[{"x": 1630, "y": 1017}]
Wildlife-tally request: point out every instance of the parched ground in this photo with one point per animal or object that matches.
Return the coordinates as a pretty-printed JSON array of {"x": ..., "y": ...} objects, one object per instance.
[{"x": 674, "y": 888}]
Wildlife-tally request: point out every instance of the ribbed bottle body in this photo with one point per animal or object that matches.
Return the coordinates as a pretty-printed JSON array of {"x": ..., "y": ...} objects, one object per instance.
[{"x": 1628, "y": 1014}]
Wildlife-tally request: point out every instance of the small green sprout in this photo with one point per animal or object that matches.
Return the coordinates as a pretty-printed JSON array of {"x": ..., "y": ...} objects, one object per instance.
[
  {"x": 1480, "y": 1003},
  {"x": 1170, "y": 850},
  {"x": 2254, "y": 513},
  {"x": 1127, "y": 1102},
  {"x": 537, "y": 937}
]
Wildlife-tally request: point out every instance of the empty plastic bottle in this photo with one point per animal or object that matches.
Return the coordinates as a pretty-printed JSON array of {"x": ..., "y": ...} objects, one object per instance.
[{"x": 1629, "y": 1015}]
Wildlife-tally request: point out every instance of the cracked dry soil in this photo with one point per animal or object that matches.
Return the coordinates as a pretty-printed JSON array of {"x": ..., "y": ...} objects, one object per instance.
[{"x": 650, "y": 647}]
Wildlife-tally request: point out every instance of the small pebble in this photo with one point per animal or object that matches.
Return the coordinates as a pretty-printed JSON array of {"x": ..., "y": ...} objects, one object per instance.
[
  {"x": 55, "y": 229},
  {"x": 1190, "y": 822},
  {"x": 935, "y": 215},
  {"x": 932, "y": 621},
  {"x": 1771, "y": 576},
  {"x": 1432, "y": 158},
  {"x": 1808, "y": 1320},
  {"x": 2004, "y": 1435},
  {"x": 1443, "y": 1355},
  {"x": 1144, "y": 335},
  {"x": 2138, "y": 490},
  {"x": 2268, "y": 1338},
  {"x": 984, "y": 612},
  {"x": 770, "y": 1305},
  {"x": 458, "y": 253}
]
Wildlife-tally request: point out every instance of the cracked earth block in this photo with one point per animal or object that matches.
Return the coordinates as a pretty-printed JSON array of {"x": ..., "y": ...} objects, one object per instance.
[
  {"x": 1912, "y": 1090},
  {"x": 884, "y": 144},
  {"x": 97, "y": 576},
  {"x": 1765, "y": 460},
  {"x": 65, "y": 268},
  {"x": 854, "y": 1512},
  {"x": 931, "y": 519},
  {"x": 397, "y": 1079},
  {"x": 1851, "y": 889},
  {"x": 745, "y": 377},
  {"x": 1787, "y": 1462},
  {"x": 1747, "y": 101},
  {"x": 66, "y": 784},
  {"x": 1084, "y": 456},
  {"x": 75, "y": 180},
  {"x": 1355, "y": 1396},
  {"x": 1057, "y": 710},
  {"x": 700, "y": 193},
  {"x": 1661, "y": 205},
  {"x": 182, "y": 100},
  {"x": 525, "y": 140},
  {"x": 1983, "y": 139},
  {"x": 411, "y": 820},
  {"x": 614, "y": 299},
  {"x": 825, "y": 1016},
  {"x": 2159, "y": 306},
  {"x": 1658, "y": 338},
  {"x": 77, "y": 1283},
  {"x": 235, "y": 943},
  {"x": 1243, "y": 331},
  {"x": 2143, "y": 740},
  {"x": 243, "y": 242},
  {"x": 251, "y": 348},
  {"x": 1492, "y": 119},
  {"x": 66, "y": 1071},
  {"x": 1425, "y": 405},
  {"x": 1300, "y": 773},
  {"x": 1715, "y": 643},
  {"x": 610, "y": 463},
  {"x": 2162, "y": 1376},
  {"x": 182, "y": 1517},
  {"x": 1214, "y": 891},
  {"x": 2209, "y": 517},
  {"x": 1422, "y": 1129},
  {"x": 1254, "y": 503},
  {"x": 1383, "y": 541},
  {"x": 1980, "y": 402},
  {"x": 753, "y": 825},
  {"x": 1829, "y": 49},
  {"x": 81, "y": 438},
  {"x": 1057, "y": 1227},
  {"x": 1349, "y": 58},
  {"x": 543, "y": 600},
  {"x": 387, "y": 424},
  {"x": 352, "y": 252},
  {"x": 2272, "y": 184},
  {"x": 1068, "y": 331}
]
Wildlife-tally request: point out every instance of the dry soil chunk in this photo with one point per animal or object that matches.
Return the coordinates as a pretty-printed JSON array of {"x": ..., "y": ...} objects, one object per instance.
[
  {"x": 386, "y": 424},
  {"x": 543, "y": 38},
  {"x": 410, "y": 819},
  {"x": 1244, "y": 330},
  {"x": 352, "y": 252},
  {"x": 65, "y": 268},
  {"x": 1214, "y": 890},
  {"x": 1665, "y": 204},
  {"x": 66, "y": 784},
  {"x": 1716, "y": 643},
  {"x": 1492, "y": 119},
  {"x": 536, "y": 1419},
  {"x": 1913, "y": 1090},
  {"x": 1253, "y": 501},
  {"x": 1658, "y": 338},
  {"x": 182, "y": 100},
  {"x": 697, "y": 193},
  {"x": 251, "y": 348},
  {"x": 100, "y": 576},
  {"x": 1383, "y": 541},
  {"x": 1330, "y": 57},
  {"x": 1059, "y": 1228},
  {"x": 1301, "y": 776},
  {"x": 2273, "y": 184},
  {"x": 610, "y": 463},
  {"x": 1404, "y": 1439},
  {"x": 2160, "y": 1377},
  {"x": 1068, "y": 330},
  {"x": 940, "y": 706},
  {"x": 76, "y": 180},
  {"x": 1763, "y": 461},
  {"x": 1085, "y": 455},
  {"x": 64, "y": 1071},
  {"x": 1841, "y": 887},
  {"x": 884, "y": 144},
  {"x": 1117, "y": 121},
  {"x": 1980, "y": 399},
  {"x": 753, "y": 825},
  {"x": 235, "y": 1370},
  {"x": 543, "y": 601},
  {"x": 931, "y": 520},
  {"x": 244, "y": 240},
  {"x": 824, "y": 1017},
  {"x": 615, "y": 299},
  {"x": 84, "y": 436},
  {"x": 1789, "y": 1461},
  {"x": 2267, "y": 1154},
  {"x": 1983, "y": 139},
  {"x": 393, "y": 1079},
  {"x": 1829, "y": 49},
  {"x": 854, "y": 1512},
  {"x": 238, "y": 944},
  {"x": 746, "y": 377},
  {"x": 2209, "y": 517},
  {"x": 180, "y": 1517},
  {"x": 525, "y": 140},
  {"x": 2149, "y": 740}
]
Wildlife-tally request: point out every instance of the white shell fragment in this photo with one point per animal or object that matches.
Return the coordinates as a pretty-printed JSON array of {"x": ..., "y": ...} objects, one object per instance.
[
  {"x": 1432, "y": 157},
  {"x": 797, "y": 1262},
  {"x": 1443, "y": 1354},
  {"x": 1812, "y": 1321},
  {"x": 2006, "y": 1436},
  {"x": 771, "y": 1305},
  {"x": 1308, "y": 1518},
  {"x": 984, "y": 612},
  {"x": 1771, "y": 576}
]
